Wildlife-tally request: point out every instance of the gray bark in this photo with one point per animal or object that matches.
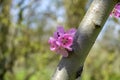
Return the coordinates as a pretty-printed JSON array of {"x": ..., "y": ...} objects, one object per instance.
[{"x": 84, "y": 39}]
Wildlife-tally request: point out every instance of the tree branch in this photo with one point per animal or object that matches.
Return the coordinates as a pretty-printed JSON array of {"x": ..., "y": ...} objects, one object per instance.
[{"x": 84, "y": 39}]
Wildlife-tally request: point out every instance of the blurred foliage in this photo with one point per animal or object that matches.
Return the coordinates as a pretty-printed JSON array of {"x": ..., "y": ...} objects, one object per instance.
[
  {"x": 26, "y": 25},
  {"x": 75, "y": 10}
]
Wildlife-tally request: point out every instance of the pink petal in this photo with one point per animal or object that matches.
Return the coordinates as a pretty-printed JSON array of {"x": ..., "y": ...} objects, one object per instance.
[
  {"x": 53, "y": 45},
  {"x": 116, "y": 11},
  {"x": 117, "y": 6},
  {"x": 58, "y": 43},
  {"x": 51, "y": 39},
  {"x": 69, "y": 48},
  {"x": 65, "y": 53},
  {"x": 52, "y": 48},
  {"x": 59, "y": 32},
  {"x": 71, "y": 31},
  {"x": 115, "y": 14},
  {"x": 66, "y": 40},
  {"x": 62, "y": 51},
  {"x": 60, "y": 29}
]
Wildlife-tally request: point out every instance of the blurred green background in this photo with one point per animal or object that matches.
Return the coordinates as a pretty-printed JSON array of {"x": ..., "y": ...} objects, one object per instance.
[{"x": 25, "y": 27}]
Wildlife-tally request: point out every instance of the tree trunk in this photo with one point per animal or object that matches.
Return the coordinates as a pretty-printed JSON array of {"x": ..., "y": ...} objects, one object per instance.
[{"x": 84, "y": 39}]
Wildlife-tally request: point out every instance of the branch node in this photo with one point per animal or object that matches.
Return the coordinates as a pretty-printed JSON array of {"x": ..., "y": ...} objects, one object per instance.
[
  {"x": 79, "y": 72},
  {"x": 97, "y": 26}
]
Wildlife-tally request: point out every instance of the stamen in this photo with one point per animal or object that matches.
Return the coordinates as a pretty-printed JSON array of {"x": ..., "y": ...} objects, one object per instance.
[
  {"x": 58, "y": 34},
  {"x": 64, "y": 43}
]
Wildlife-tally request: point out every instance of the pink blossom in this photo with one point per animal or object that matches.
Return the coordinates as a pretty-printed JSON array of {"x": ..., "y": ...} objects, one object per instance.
[
  {"x": 71, "y": 31},
  {"x": 62, "y": 51},
  {"x": 65, "y": 41},
  {"x": 53, "y": 45},
  {"x": 62, "y": 40},
  {"x": 116, "y": 10},
  {"x": 60, "y": 31}
]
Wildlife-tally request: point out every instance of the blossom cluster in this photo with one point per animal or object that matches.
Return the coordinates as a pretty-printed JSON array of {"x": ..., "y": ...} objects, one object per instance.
[
  {"x": 116, "y": 10},
  {"x": 62, "y": 40}
]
